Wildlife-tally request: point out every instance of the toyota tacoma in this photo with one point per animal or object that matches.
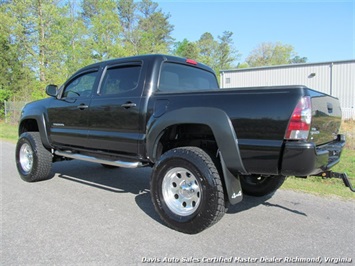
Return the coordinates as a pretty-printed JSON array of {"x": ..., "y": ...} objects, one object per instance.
[{"x": 207, "y": 146}]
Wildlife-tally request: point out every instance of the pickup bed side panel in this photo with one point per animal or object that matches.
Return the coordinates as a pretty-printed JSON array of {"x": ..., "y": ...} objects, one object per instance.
[
  {"x": 257, "y": 116},
  {"x": 223, "y": 132}
]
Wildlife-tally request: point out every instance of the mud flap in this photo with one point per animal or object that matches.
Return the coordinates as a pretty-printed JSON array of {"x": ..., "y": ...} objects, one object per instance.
[{"x": 232, "y": 183}]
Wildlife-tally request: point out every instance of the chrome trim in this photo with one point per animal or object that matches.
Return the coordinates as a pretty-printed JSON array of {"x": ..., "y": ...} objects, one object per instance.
[{"x": 96, "y": 160}]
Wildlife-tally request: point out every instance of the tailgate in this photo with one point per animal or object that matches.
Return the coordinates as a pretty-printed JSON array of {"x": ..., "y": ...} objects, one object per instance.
[{"x": 326, "y": 118}]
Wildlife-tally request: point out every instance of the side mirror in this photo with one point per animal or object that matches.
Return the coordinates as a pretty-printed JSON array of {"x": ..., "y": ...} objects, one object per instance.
[{"x": 52, "y": 90}]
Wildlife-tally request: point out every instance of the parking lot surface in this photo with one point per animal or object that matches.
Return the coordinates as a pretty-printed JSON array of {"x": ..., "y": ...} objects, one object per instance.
[{"x": 91, "y": 215}]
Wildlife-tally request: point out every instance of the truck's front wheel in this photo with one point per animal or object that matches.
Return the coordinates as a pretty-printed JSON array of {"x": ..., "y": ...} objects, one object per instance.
[
  {"x": 32, "y": 159},
  {"x": 258, "y": 186},
  {"x": 186, "y": 190}
]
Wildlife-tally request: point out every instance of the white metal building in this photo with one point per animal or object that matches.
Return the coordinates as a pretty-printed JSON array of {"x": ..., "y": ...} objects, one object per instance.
[{"x": 335, "y": 78}]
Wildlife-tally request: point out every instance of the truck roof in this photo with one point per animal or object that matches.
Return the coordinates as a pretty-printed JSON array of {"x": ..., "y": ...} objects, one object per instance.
[{"x": 151, "y": 57}]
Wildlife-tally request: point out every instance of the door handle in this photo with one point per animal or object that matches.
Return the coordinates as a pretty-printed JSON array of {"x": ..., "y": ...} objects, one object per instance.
[
  {"x": 128, "y": 105},
  {"x": 82, "y": 106}
]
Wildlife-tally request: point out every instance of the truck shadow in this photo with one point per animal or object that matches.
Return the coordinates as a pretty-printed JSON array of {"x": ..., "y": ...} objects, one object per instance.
[
  {"x": 114, "y": 180},
  {"x": 136, "y": 182},
  {"x": 251, "y": 202}
]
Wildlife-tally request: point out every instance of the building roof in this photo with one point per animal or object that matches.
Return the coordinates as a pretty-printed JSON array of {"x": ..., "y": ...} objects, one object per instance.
[{"x": 287, "y": 66}]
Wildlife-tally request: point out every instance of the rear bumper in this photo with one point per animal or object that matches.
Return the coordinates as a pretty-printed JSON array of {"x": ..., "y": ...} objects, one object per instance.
[{"x": 304, "y": 159}]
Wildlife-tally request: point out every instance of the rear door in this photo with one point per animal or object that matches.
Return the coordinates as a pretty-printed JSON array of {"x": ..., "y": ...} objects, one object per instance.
[
  {"x": 69, "y": 115},
  {"x": 115, "y": 122}
]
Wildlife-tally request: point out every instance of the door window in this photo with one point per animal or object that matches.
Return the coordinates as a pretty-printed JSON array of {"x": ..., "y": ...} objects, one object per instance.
[
  {"x": 80, "y": 86},
  {"x": 120, "y": 80}
]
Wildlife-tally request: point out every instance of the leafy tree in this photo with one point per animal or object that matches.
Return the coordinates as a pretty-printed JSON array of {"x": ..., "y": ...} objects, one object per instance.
[
  {"x": 15, "y": 77},
  {"x": 155, "y": 28},
  {"x": 186, "y": 49},
  {"x": 104, "y": 28},
  {"x": 127, "y": 12},
  {"x": 155, "y": 37},
  {"x": 13, "y": 74},
  {"x": 6, "y": 68},
  {"x": 208, "y": 49},
  {"x": 75, "y": 35},
  {"x": 226, "y": 53},
  {"x": 146, "y": 29},
  {"x": 44, "y": 41},
  {"x": 243, "y": 65},
  {"x": 297, "y": 60},
  {"x": 268, "y": 54},
  {"x": 217, "y": 54},
  {"x": 36, "y": 33}
]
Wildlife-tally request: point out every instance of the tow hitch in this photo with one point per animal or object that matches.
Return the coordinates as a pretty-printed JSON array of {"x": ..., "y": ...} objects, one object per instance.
[{"x": 331, "y": 174}]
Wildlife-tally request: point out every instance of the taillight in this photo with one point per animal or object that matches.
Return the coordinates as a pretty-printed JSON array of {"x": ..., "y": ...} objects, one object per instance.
[{"x": 300, "y": 122}]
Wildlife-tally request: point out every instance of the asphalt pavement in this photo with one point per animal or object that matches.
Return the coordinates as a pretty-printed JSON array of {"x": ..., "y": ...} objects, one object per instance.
[{"x": 91, "y": 215}]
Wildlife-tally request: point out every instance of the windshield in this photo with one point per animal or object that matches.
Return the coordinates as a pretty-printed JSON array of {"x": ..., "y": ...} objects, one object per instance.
[{"x": 179, "y": 78}]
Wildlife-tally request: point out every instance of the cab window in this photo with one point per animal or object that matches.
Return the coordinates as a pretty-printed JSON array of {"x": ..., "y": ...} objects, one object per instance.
[
  {"x": 80, "y": 86},
  {"x": 121, "y": 79},
  {"x": 181, "y": 78}
]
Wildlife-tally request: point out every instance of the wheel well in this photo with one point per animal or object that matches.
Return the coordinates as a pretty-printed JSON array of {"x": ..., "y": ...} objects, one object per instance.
[
  {"x": 197, "y": 135},
  {"x": 28, "y": 125}
]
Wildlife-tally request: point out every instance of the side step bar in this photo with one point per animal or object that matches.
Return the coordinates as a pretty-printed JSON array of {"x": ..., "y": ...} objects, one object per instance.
[
  {"x": 82, "y": 157},
  {"x": 331, "y": 174}
]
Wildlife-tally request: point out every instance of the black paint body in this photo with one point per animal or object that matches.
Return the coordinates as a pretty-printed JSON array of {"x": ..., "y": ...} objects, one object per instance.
[{"x": 247, "y": 125}]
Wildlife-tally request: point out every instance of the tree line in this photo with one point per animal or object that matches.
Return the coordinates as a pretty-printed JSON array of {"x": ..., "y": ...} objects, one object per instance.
[{"x": 45, "y": 41}]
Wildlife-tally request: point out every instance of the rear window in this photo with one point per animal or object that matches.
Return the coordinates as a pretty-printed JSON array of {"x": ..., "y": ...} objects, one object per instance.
[{"x": 179, "y": 78}]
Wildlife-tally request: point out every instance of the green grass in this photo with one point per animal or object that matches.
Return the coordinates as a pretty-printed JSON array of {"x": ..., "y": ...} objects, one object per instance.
[
  {"x": 314, "y": 185},
  {"x": 8, "y": 132}
]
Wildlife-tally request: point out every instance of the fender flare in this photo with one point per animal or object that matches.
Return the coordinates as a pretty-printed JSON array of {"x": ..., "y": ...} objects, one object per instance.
[
  {"x": 39, "y": 116},
  {"x": 223, "y": 132}
]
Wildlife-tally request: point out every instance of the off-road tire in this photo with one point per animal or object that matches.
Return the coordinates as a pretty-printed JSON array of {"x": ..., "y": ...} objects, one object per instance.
[
  {"x": 33, "y": 160},
  {"x": 187, "y": 191},
  {"x": 258, "y": 186}
]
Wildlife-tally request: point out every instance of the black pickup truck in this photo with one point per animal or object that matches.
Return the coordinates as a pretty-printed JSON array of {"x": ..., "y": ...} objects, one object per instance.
[{"x": 207, "y": 146}]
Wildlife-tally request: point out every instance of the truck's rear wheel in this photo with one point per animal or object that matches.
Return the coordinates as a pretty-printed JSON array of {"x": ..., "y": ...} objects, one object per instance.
[
  {"x": 186, "y": 190},
  {"x": 258, "y": 186},
  {"x": 33, "y": 161}
]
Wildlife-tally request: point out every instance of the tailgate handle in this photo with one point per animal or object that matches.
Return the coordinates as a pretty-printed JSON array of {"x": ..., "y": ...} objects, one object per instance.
[{"x": 330, "y": 108}]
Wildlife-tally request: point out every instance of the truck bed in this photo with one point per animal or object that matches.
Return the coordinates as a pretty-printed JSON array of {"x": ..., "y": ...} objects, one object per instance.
[{"x": 260, "y": 116}]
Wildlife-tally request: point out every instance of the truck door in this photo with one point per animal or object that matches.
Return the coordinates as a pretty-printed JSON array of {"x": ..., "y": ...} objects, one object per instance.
[
  {"x": 68, "y": 115},
  {"x": 114, "y": 122}
]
